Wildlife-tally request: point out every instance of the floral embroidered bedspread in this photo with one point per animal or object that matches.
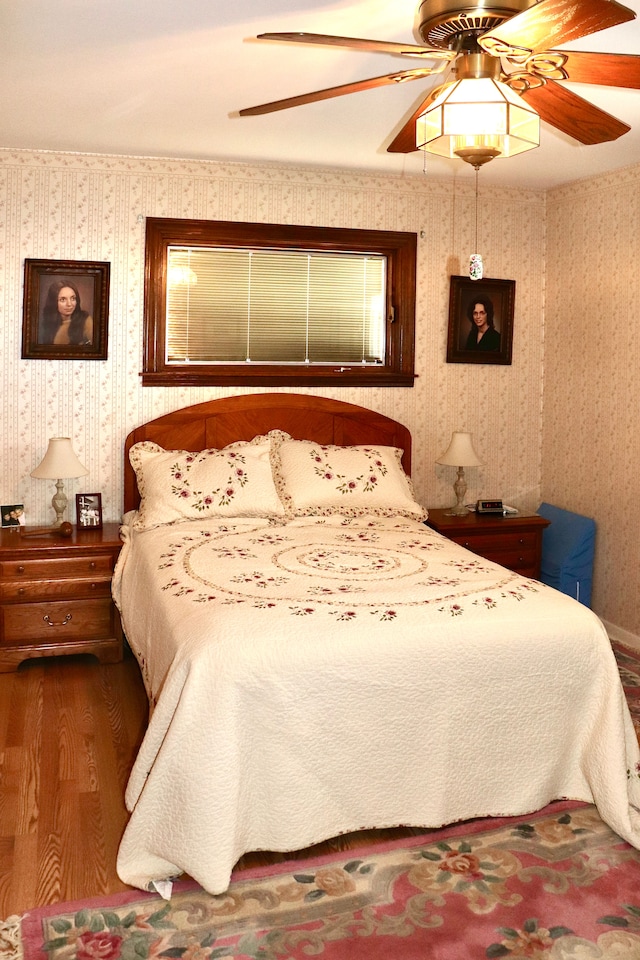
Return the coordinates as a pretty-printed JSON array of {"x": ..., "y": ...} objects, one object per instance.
[{"x": 322, "y": 675}]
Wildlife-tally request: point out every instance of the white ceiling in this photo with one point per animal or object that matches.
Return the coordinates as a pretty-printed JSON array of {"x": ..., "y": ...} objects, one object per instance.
[{"x": 166, "y": 79}]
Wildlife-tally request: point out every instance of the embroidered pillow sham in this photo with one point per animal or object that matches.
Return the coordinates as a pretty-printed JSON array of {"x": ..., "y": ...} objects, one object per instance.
[
  {"x": 176, "y": 485},
  {"x": 320, "y": 480}
]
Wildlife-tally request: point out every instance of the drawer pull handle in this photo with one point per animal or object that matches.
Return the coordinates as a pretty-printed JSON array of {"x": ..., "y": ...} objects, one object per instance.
[
  {"x": 21, "y": 569},
  {"x": 92, "y": 565},
  {"x": 47, "y": 619}
]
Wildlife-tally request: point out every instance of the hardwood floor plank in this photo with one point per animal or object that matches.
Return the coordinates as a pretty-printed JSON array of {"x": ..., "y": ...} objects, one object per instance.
[
  {"x": 30, "y": 755},
  {"x": 6, "y": 686},
  {"x": 10, "y": 772},
  {"x": 95, "y": 874},
  {"x": 23, "y": 877},
  {"x": 7, "y": 855}
]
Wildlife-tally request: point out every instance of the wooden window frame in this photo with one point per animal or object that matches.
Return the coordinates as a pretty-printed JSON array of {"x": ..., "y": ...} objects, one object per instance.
[{"x": 398, "y": 247}]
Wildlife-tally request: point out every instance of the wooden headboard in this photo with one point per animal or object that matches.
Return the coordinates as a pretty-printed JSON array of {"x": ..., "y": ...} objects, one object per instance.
[{"x": 216, "y": 423}]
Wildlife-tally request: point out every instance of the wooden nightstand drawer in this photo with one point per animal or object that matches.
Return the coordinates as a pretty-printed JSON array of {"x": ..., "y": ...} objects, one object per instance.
[
  {"x": 517, "y": 552},
  {"x": 57, "y": 621},
  {"x": 58, "y": 568},
  {"x": 496, "y": 545},
  {"x": 522, "y": 561},
  {"x": 29, "y": 590}
]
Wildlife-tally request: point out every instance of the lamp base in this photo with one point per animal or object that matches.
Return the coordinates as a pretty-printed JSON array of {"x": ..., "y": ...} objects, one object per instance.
[
  {"x": 59, "y": 503},
  {"x": 460, "y": 488},
  {"x": 458, "y": 511}
]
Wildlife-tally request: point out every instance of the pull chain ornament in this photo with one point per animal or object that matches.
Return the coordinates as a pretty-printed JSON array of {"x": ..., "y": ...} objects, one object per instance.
[{"x": 476, "y": 267}]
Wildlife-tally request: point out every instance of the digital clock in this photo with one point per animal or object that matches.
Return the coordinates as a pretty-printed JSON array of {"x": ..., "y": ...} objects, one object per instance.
[{"x": 489, "y": 506}]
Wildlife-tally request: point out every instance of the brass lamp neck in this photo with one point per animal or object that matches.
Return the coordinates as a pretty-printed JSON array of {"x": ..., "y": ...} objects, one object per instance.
[{"x": 477, "y": 66}]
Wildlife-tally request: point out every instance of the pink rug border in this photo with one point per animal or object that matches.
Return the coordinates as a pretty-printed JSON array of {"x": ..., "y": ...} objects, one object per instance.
[
  {"x": 626, "y": 646},
  {"x": 31, "y": 918}
]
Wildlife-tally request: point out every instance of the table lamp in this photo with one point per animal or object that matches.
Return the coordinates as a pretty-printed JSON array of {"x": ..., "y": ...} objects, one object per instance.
[
  {"x": 58, "y": 463},
  {"x": 460, "y": 454}
]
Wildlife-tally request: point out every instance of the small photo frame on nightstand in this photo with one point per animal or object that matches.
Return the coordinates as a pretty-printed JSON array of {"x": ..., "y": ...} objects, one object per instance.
[
  {"x": 13, "y": 515},
  {"x": 89, "y": 511}
]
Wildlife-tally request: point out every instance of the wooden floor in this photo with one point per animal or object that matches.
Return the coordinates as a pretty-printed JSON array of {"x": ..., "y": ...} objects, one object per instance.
[{"x": 69, "y": 732}]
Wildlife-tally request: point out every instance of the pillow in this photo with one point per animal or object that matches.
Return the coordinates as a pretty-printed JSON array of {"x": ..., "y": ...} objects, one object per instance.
[
  {"x": 236, "y": 481},
  {"x": 317, "y": 479}
]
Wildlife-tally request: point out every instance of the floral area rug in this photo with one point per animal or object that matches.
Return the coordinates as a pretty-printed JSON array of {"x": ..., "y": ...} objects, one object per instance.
[
  {"x": 555, "y": 885},
  {"x": 628, "y": 659}
]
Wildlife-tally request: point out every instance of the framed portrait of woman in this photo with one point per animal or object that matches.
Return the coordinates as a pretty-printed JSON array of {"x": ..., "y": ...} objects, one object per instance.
[
  {"x": 66, "y": 310},
  {"x": 480, "y": 320}
]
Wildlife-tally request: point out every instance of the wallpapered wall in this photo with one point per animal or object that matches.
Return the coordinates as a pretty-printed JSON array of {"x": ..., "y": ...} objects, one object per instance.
[
  {"x": 591, "y": 432},
  {"x": 586, "y": 444},
  {"x": 72, "y": 206}
]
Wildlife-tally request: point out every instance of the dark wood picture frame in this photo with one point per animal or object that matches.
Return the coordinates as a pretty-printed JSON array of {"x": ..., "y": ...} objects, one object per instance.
[
  {"x": 89, "y": 511},
  {"x": 464, "y": 292},
  {"x": 89, "y": 279}
]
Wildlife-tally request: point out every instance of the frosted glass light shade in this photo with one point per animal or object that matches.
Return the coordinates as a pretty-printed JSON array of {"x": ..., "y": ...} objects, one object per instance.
[
  {"x": 477, "y": 117},
  {"x": 460, "y": 452},
  {"x": 59, "y": 462}
]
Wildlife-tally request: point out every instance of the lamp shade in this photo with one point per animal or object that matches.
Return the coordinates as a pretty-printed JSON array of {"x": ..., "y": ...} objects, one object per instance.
[
  {"x": 59, "y": 462},
  {"x": 460, "y": 452}
]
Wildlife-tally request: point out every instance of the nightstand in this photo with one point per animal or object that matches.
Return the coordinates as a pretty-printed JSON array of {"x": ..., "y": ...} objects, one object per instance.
[
  {"x": 513, "y": 541},
  {"x": 55, "y": 595}
]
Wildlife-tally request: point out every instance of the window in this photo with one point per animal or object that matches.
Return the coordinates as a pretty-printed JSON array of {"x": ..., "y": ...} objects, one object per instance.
[{"x": 264, "y": 304}]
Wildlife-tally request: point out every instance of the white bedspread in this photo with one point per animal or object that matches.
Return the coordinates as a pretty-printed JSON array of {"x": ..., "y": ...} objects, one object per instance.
[{"x": 320, "y": 676}]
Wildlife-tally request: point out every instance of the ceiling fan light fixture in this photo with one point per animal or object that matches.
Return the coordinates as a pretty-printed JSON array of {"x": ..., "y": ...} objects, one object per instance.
[
  {"x": 475, "y": 152},
  {"x": 477, "y": 117}
]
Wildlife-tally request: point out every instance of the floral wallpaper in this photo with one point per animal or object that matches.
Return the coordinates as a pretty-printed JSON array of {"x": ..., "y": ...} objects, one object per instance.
[
  {"x": 558, "y": 424},
  {"x": 591, "y": 423},
  {"x": 69, "y": 206}
]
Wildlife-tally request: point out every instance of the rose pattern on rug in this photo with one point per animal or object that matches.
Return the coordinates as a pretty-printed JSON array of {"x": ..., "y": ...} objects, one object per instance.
[
  {"x": 559, "y": 885},
  {"x": 628, "y": 660}
]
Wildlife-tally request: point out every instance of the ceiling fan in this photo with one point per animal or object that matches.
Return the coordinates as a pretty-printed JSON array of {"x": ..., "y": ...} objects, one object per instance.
[{"x": 513, "y": 40}]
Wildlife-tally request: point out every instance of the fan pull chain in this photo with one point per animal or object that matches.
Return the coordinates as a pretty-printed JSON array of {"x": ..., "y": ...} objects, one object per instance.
[
  {"x": 477, "y": 175},
  {"x": 476, "y": 268}
]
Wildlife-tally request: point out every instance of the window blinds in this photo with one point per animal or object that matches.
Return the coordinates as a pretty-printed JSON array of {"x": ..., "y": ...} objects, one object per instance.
[{"x": 274, "y": 306}]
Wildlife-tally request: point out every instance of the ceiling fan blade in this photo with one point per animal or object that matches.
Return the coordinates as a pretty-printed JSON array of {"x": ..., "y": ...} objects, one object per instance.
[
  {"x": 405, "y": 140},
  {"x": 606, "y": 69},
  {"x": 551, "y": 22},
  {"x": 576, "y": 117},
  {"x": 355, "y": 43},
  {"x": 339, "y": 91}
]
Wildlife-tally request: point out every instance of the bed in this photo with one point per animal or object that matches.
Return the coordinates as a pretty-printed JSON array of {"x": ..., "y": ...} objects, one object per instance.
[{"x": 318, "y": 661}]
